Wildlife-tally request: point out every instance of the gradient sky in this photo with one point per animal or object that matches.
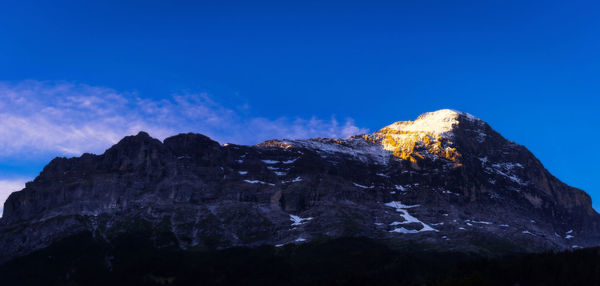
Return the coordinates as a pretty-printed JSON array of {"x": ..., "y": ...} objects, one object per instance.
[{"x": 76, "y": 76}]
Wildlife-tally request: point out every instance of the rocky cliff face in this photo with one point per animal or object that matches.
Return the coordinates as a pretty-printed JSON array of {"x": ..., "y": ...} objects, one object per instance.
[{"x": 444, "y": 181}]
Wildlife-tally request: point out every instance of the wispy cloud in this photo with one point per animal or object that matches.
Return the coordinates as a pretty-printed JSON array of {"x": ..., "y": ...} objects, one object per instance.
[
  {"x": 42, "y": 119},
  {"x": 69, "y": 119}
]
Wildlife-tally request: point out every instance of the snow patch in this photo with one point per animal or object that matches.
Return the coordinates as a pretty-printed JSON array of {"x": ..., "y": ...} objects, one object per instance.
[
  {"x": 404, "y": 230},
  {"x": 506, "y": 173},
  {"x": 297, "y": 179},
  {"x": 355, "y": 147},
  {"x": 401, "y": 208},
  {"x": 439, "y": 122},
  {"x": 243, "y": 172},
  {"x": 400, "y": 188},
  {"x": 296, "y": 220},
  {"x": 507, "y": 165},
  {"x": 481, "y": 222},
  {"x": 399, "y": 205},
  {"x": 364, "y": 187},
  {"x": 290, "y": 161},
  {"x": 258, "y": 182}
]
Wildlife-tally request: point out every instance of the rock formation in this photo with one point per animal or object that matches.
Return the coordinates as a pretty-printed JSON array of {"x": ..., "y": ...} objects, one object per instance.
[{"x": 444, "y": 181}]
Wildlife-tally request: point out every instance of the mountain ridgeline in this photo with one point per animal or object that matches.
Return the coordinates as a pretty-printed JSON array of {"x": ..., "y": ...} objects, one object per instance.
[{"x": 444, "y": 182}]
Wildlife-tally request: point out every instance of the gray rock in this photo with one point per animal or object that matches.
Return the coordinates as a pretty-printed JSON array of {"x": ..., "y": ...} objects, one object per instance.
[{"x": 466, "y": 188}]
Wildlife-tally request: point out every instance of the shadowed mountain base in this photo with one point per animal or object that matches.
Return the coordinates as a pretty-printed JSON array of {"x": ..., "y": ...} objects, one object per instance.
[{"x": 134, "y": 260}]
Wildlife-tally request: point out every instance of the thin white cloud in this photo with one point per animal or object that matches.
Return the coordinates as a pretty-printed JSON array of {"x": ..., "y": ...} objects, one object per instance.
[
  {"x": 49, "y": 118},
  {"x": 69, "y": 119},
  {"x": 7, "y": 187}
]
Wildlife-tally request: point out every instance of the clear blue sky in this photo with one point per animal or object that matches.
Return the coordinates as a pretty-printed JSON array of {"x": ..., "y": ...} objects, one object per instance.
[{"x": 529, "y": 68}]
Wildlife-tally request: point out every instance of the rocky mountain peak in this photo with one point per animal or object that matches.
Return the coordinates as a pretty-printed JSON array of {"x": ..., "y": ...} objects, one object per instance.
[
  {"x": 431, "y": 134},
  {"x": 444, "y": 134},
  {"x": 436, "y": 123}
]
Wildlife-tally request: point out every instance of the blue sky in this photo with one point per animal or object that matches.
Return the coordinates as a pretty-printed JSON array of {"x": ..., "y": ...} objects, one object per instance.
[{"x": 75, "y": 76}]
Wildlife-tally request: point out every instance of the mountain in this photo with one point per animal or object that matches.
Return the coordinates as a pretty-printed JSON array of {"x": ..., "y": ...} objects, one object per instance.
[{"x": 445, "y": 182}]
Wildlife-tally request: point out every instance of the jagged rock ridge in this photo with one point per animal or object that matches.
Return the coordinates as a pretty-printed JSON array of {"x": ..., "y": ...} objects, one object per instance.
[{"x": 445, "y": 181}]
